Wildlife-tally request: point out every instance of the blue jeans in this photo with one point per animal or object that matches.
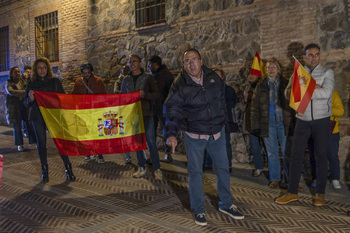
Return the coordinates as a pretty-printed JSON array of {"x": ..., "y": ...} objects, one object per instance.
[
  {"x": 40, "y": 132},
  {"x": 195, "y": 153},
  {"x": 209, "y": 161},
  {"x": 151, "y": 144},
  {"x": 319, "y": 130},
  {"x": 127, "y": 155},
  {"x": 256, "y": 151},
  {"x": 276, "y": 133},
  {"x": 17, "y": 127},
  {"x": 333, "y": 159}
]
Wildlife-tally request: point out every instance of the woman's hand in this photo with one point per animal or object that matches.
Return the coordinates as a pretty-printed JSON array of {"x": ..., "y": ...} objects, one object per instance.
[{"x": 31, "y": 95}]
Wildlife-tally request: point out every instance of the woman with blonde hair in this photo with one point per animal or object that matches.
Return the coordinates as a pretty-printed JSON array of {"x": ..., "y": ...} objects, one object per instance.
[{"x": 42, "y": 80}]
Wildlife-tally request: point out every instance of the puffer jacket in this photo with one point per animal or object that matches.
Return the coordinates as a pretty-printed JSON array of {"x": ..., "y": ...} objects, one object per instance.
[
  {"x": 337, "y": 110},
  {"x": 41, "y": 84},
  {"x": 14, "y": 98},
  {"x": 194, "y": 108},
  {"x": 320, "y": 105},
  {"x": 260, "y": 108},
  {"x": 145, "y": 82}
]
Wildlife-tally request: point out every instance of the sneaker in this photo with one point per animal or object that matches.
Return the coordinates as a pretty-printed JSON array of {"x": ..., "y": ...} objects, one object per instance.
[
  {"x": 274, "y": 184},
  {"x": 168, "y": 158},
  {"x": 318, "y": 200},
  {"x": 89, "y": 158},
  {"x": 20, "y": 148},
  {"x": 140, "y": 172},
  {"x": 25, "y": 135},
  {"x": 158, "y": 174},
  {"x": 287, "y": 198},
  {"x": 101, "y": 160},
  {"x": 336, "y": 184},
  {"x": 257, "y": 172},
  {"x": 232, "y": 212},
  {"x": 200, "y": 220},
  {"x": 127, "y": 161}
]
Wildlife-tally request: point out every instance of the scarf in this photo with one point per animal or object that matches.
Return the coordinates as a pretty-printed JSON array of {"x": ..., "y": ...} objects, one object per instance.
[{"x": 274, "y": 85}]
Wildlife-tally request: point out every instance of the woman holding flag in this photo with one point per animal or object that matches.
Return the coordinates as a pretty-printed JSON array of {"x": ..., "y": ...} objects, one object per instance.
[
  {"x": 270, "y": 117},
  {"x": 42, "y": 80}
]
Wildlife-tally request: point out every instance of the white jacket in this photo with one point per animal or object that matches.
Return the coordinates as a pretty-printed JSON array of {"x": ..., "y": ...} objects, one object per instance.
[{"x": 320, "y": 105}]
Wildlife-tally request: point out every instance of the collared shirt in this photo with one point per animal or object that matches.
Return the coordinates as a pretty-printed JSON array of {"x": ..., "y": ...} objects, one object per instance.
[{"x": 201, "y": 136}]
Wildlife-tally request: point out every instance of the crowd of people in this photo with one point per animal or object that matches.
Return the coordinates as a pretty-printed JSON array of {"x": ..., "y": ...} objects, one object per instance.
[{"x": 200, "y": 106}]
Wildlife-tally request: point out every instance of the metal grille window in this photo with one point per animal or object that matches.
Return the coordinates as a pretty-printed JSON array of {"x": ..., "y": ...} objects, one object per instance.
[
  {"x": 46, "y": 36},
  {"x": 149, "y": 12},
  {"x": 4, "y": 49}
]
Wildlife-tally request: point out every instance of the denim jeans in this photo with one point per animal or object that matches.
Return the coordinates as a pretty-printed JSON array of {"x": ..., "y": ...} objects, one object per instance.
[
  {"x": 319, "y": 130},
  {"x": 17, "y": 127},
  {"x": 209, "y": 161},
  {"x": 151, "y": 144},
  {"x": 256, "y": 151},
  {"x": 40, "y": 132},
  {"x": 127, "y": 155},
  {"x": 195, "y": 153},
  {"x": 276, "y": 133},
  {"x": 333, "y": 159}
]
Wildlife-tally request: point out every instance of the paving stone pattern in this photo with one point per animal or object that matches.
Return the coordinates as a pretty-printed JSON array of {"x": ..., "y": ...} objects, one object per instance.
[{"x": 106, "y": 198}]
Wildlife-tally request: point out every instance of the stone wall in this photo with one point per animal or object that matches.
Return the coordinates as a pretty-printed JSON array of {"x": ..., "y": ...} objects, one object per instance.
[{"x": 227, "y": 33}]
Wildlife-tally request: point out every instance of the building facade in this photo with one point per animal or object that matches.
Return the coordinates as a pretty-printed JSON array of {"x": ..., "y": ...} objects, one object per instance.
[{"x": 227, "y": 33}]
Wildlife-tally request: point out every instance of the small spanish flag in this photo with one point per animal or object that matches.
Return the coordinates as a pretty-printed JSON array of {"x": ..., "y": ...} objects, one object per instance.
[
  {"x": 303, "y": 87},
  {"x": 258, "y": 66},
  {"x": 93, "y": 124}
]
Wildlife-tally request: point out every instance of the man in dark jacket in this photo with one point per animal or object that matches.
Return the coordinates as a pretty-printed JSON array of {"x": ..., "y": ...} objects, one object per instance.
[
  {"x": 164, "y": 79},
  {"x": 196, "y": 106},
  {"x": 139, "y": 80}
]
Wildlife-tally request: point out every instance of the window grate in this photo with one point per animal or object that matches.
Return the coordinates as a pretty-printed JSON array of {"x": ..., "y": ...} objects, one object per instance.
[
  {"x": 4, "y": 49},
  {"x": 46, "y": 36},
  {"x": 149, "y": 12}
]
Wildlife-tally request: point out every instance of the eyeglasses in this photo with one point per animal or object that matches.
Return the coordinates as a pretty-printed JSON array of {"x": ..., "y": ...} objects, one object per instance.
[
  {"x": 188, "y": 61},
  {"x": 134, "y": 61}
]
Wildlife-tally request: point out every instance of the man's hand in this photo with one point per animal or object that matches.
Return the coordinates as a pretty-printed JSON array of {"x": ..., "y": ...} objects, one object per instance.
[
  {"x": 31, "y": 95},
  {"x": 172, "y": 142},
  {"x": 142, "y": 94},
  {"x": 318, "y": 86}
]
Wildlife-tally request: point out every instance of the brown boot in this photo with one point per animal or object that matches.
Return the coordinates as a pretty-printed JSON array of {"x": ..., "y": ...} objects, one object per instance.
[
  {"x": 318, "y": 200},
  {"x": 287, "y": 198},
  {"x": 274, "y": 184}
]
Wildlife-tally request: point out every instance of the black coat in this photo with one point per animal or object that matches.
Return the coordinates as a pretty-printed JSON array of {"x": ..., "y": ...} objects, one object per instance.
[
  {"x": 194, "y": 108},
  {"x": 41, "y": 84}
]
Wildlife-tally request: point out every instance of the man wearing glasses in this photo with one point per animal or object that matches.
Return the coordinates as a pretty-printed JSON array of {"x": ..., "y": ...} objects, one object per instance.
[
  {"x": 139, "y": 80},
  {"x": 196, "y": 106}
]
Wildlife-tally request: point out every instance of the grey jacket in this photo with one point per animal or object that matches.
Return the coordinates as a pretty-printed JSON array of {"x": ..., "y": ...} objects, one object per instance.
[
  {"x": 320, "y": 105},
  {"x": 145, "y": 82}
]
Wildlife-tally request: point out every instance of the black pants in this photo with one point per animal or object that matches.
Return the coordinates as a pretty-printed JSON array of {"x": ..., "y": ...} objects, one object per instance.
[
  {"x": 40, "y": 133},
  {"x": 319, "y": 130}
]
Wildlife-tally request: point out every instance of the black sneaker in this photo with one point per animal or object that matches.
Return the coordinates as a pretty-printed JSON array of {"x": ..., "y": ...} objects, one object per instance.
[
  {"x": 232, "y": 212},
  {"x": 200, "y": 220}
]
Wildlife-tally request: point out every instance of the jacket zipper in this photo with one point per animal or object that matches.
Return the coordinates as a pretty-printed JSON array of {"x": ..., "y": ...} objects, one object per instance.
[
  {"x": 209, "y": 112},
  {"x": 312, "y": 112}
]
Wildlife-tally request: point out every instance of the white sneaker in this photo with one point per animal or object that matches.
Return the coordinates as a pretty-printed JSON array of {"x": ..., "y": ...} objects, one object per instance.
[
  {"x": 336, "y": 184},
  {"x": 140, "y": 172},
  {"x": 89, "y": 158},
  {"x": 158, "y": 174},
  {"x": 20, "y": 148}
]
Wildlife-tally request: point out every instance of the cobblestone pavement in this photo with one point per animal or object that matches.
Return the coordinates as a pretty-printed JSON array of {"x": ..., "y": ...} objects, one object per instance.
[{"x": 105, "y": 198}]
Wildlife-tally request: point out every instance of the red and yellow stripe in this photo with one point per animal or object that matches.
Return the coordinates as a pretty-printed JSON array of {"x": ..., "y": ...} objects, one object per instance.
[
  {"x": 303, "y": 87},
  {"x": 93, "y": 124}
]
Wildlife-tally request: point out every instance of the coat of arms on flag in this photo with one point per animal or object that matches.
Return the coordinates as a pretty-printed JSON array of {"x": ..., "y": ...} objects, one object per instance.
[
  {"x": 93, "y": 124},
  {"x": 303, "y": 87}
]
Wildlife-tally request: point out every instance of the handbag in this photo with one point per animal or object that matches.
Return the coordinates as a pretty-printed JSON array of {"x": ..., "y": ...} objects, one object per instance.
[
  {"x": 232, "y": 127},
  {"x": 332, "y": 126}
]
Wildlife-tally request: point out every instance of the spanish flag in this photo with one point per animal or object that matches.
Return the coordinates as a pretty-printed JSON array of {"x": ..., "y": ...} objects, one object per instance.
[
  {"x": 93, "y": 124},
  {"x": 303, "y": 87},
  {"x": 258, "y": 66}
]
